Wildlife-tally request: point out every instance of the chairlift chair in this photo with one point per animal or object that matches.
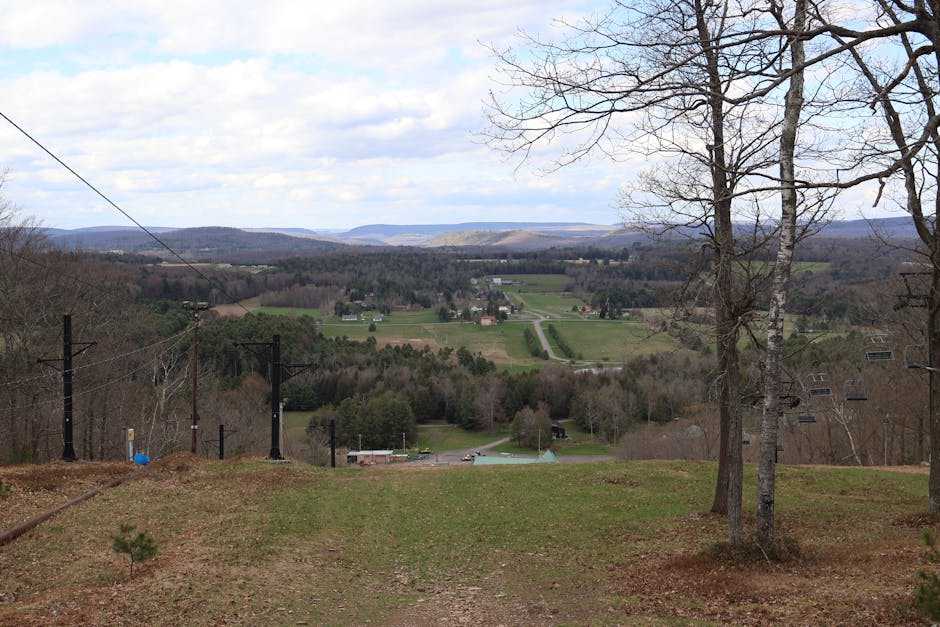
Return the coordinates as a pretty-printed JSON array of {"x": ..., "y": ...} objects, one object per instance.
[
  {"x": 855, "y": 390},
  {"x": 879, "y": 350},
  {"x": 819, "y": 385},
  {"x": 713, "y": 392},
  {"x": 915, "y": 356},
  {"x": 789, "y": 395}
]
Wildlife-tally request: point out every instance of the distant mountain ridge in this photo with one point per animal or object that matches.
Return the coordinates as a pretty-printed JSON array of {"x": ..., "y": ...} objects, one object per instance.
[
  {"x": 272, "y": 242},
  {"x": 388, "y": 230},
  {"x": 201, "y": 243}
]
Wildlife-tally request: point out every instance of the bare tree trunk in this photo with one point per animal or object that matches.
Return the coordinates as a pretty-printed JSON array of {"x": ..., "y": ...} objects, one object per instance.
[
  {"x": 730, "y": 467},
  {"x": 933, "y": 339},
  {"x": 766, "y": 467}
]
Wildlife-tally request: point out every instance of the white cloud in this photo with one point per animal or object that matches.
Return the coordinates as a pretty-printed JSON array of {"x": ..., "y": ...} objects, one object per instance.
[{"x": 286, "y": 113}]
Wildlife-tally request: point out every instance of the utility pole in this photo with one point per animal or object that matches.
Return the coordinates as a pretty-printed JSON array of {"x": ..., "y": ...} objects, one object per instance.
[
  {"x": 68, "y": 446},
  {"x": 332, "y": 442},
  {"x": 884, "y": 435},
  {"x": 280, "y": 373},
  {"x": 196, "y": 307}
]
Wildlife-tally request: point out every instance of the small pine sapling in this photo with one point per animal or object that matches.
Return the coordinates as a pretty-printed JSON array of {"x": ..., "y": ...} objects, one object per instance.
[
  {"x": 138, "y": 548},
  {"x": 5, "y": 490},
  {"x": 928, "y": 590}
]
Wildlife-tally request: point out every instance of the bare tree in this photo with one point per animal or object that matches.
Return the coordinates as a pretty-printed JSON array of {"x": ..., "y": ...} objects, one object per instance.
[
  {"x": 488, "y": 402},
  {"x": 793, "y": 104},
  {"x": 906, "y": 95},
  {"x": 668, "y": 68}
]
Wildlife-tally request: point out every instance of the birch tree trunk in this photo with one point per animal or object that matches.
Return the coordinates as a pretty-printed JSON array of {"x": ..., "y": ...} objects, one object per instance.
[{"x": 766, "y": 467}]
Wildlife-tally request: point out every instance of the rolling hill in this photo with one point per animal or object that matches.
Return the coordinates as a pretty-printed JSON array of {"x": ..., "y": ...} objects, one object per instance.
[
  {"x": 203, "y": 243},
  {"x": 210, "y": 243}
]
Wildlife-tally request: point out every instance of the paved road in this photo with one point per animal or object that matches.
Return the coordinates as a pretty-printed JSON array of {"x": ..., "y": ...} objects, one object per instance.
[{"x": 544, "y": 340}]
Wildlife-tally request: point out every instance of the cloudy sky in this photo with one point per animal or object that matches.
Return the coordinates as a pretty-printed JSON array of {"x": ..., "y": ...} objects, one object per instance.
[
  {"x": 292, "y": 113},
  {"x": 284, "y": 113}
]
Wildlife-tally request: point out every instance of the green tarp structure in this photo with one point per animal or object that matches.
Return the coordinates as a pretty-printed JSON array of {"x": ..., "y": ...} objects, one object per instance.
[{"x": 548, "y": 457}]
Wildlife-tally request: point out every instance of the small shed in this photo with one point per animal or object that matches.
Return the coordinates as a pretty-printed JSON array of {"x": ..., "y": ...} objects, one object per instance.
[{"x": 369, "y": 457}]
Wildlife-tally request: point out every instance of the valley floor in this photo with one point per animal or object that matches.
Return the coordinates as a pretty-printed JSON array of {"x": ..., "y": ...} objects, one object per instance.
[{"x": 247, "y": 542}]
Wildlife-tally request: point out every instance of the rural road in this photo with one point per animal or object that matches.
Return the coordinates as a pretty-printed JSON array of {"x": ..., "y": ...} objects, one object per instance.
[
  {"x": 544, "y": 340},
  {"x": 450, "y": 457}
]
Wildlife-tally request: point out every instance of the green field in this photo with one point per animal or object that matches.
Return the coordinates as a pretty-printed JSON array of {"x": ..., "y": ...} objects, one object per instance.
[
  {"x": 801, "y": 266},
  {"x": 537, "y": 282},
  {"x": 293, "y": 311},
  {"x": 550, "y": 305},
  {"x": 578, "y": 443},
  {"x": 503, "y": 344},
  {"x": 612, "y": 340},
  {"x": 396, "y": 317},
  {"x": 443, "y": 437},
  {"x": 601, "y": 543},
  {"x": 543, "y": 294},
  {"x": 595, "y": 340},
  {"x": 295, "y": 424}
]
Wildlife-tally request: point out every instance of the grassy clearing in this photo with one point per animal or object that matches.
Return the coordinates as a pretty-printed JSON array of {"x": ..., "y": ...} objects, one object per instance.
[
  {"x": 537, "y": 282},
  {"x": 294, "y": 311},
  {"x": 544, "y": 294},
  {"x": 397, "y": 317},
  {"x": 503, "y": 344},
  {"x": 603, "y": 340},
  {"x": 579, "y": 442},
  {"x": 441, "y": 438},
  {"x": 552, "y": 305},
  {"x": 254, "y": 543},
  {"x": 800, "y": 267}
]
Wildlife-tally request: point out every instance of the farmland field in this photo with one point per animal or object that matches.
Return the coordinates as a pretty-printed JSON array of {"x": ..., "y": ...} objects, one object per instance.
[
  {"x": 397, "y": 317},
  {"x": 537, "y": 282},
  {"x": 551, "y": 305},
  {"x": 503, "y": 344},
  {"x": 603, "y": 340},
  {"x": 543, "y": 294},
  {"x": 444, "y": 437},
  {"x": 596, "y": 340},
  {"x": 600, "y": 543}
]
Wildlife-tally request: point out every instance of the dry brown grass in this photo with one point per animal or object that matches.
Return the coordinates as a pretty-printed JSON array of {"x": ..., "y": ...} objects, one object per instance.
[
  {"x": 37, "y": 488},
  {"x": 218, "y": 565}
]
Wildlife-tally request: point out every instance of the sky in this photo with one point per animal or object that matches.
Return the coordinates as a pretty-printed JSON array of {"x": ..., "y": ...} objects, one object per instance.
[{"x": 323, "y": 115}]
